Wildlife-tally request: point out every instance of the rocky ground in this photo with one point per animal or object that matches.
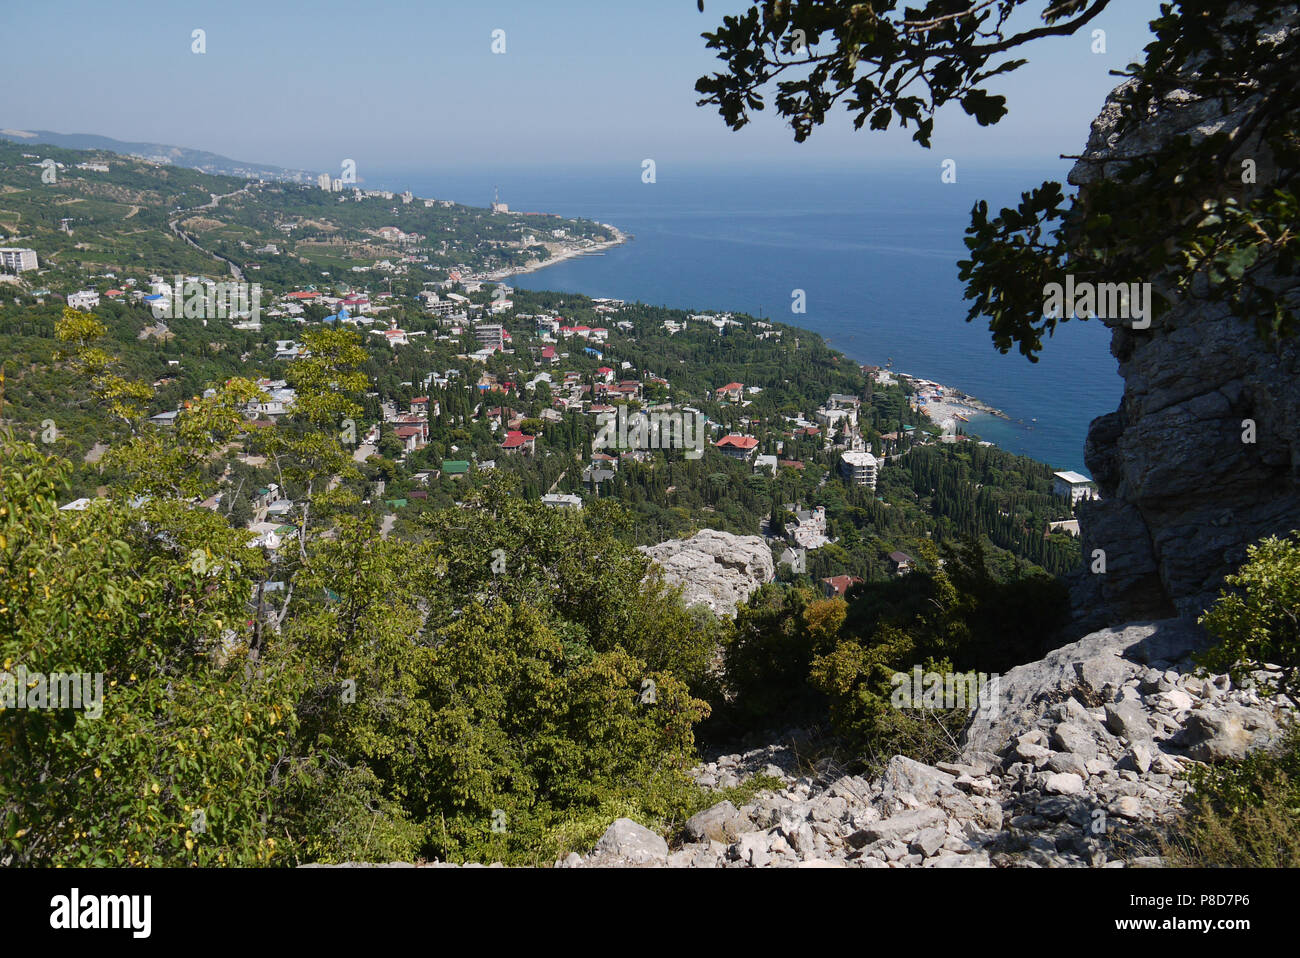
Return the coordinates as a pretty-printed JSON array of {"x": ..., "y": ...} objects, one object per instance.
[{"x": 1073, "y": 766}]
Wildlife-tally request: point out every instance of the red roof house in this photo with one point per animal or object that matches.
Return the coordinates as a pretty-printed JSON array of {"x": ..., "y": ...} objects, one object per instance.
[{"x": 519, "y": 442}]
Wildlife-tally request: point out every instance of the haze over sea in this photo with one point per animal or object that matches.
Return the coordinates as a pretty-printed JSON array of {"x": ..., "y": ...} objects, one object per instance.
[{"x": 875, "y": 251}]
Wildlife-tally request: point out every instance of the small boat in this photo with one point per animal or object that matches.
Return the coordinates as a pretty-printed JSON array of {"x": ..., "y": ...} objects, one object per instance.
[{"x": 1033, "y": 420}]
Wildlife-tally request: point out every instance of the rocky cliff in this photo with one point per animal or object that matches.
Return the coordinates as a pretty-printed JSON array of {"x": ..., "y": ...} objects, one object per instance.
[{"x": 1182, "y": 493}]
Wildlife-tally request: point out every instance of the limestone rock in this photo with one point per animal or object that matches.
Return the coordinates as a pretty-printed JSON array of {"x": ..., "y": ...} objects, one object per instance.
[
  {"x": 628, "y": 841},
  {"x": 1190, "y": 379},
  {"x": 1222, "y": 734},
  {"x": 1129, "y": 720},
  {"x": 898, "y": 826},
  {"x": 1063, "y": 783},
  {"x": 721, "y": 823},
  {"x": 716, "y": 569},
  {"x": 1027, "y": 692}
]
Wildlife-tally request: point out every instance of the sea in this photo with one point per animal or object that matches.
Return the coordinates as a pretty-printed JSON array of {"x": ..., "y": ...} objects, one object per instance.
[{"x": 874, "y": 251}]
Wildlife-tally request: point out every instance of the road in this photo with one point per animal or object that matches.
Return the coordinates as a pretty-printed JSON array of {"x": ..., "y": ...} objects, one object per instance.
[{"x": 235, "y": 271}]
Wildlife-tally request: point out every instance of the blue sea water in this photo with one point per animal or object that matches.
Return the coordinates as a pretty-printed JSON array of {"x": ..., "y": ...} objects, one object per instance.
[{"x": 874, "y": 251}]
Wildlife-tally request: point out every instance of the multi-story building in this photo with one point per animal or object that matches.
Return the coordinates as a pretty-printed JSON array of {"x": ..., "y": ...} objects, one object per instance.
[
  {"x": 1073, "y": 486},
  {"x": 324, "y": 182},
  {"x": 859, "y": 468},
  {"x": 491, "y": 336},
  {"x": 732, "y": 391},
  {"x": 16, "y": 260},
  {"x": 85, "y": 299},
  {"x": 737, "y": 447}
]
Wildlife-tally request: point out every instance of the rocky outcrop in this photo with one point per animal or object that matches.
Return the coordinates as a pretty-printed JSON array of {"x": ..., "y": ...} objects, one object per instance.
[
  {"x": 1071, "y": 763},
  {"x": 1182, "y": 492},
  {"x": 716, "y": 569}
]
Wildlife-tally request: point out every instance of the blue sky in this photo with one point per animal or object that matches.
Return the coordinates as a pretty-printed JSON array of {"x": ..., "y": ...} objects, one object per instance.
[{"x": 402, "y": 85}]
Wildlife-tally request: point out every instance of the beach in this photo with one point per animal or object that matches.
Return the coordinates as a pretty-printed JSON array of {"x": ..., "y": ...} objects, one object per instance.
[
  {"x": 948, "y": 408},
  {"x": 566, "y": 253}
]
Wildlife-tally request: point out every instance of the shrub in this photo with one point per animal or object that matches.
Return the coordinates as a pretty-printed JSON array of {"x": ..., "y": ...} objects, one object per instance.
[
  {"x": 1259, "y": 626},
  {"x": 1242, "y": 814}
]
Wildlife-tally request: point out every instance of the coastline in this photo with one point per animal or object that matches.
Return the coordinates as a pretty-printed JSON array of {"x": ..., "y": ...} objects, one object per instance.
[
  {"x": 946, "y": 407},
  {"x": 619, "y": 239}
]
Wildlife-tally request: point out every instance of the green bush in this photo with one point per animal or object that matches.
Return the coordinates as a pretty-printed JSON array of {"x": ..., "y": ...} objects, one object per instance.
[
  {"x": 1258, "y": 623},
  {"x": 1242, "y": 814}
]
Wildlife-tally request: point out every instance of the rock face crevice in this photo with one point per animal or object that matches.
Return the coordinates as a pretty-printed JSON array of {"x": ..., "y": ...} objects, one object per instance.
[{"x": 1182, "y": 491}]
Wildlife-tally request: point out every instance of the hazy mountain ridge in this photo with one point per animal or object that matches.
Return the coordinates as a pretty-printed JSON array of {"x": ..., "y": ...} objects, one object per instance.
[{"x": 201, "y": 160}]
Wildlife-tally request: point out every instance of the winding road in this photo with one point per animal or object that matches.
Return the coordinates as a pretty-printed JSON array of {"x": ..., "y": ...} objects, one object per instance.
[{"x": 235, "y": 271}]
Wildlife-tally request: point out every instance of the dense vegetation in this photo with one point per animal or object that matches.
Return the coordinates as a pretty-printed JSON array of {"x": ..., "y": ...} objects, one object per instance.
[
  {"x": 1246, "y": 814},
  {"x": 496, "y": 682}
]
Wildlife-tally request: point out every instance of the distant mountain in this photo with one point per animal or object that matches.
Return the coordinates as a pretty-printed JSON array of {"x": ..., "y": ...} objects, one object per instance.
[{"x": 161, "y": 153}]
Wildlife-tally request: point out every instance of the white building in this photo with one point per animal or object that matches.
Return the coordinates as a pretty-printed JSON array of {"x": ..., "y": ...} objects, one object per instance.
[
  {"x": 1073, "y": 486},
  {"x": 560, "y": 500},
  {"x": 859, "y": 468},
  {"x": 16, "y": 260},
  {"x": 324, "y": 182},
  {"x": 85, "y": 299},
  {"x": 834, "y": 417},
  {"x": 809, "y": 531}
]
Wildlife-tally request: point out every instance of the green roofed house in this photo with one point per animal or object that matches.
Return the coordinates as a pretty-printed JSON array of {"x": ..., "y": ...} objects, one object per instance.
[
  {"x": 396, "y": 503},
  {"x": 455, "y": 468}
]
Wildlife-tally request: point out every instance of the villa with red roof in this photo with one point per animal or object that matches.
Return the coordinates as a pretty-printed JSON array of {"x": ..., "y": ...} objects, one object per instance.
[
  {"x": 412, "y": 436},
  {"x": 737, "y": 446},
  {"x": 517, "y": 441},
  {"x": 733, "y": 391},
  {"x": 837, "y": 585}
]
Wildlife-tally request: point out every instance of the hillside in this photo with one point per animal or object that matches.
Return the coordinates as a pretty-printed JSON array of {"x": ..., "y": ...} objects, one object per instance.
[
  {"x": 200, "y": 160},
  {"x": 134, "y": 219}
]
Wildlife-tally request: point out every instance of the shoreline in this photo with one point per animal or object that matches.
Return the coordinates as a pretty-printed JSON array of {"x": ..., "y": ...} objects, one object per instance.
[
  {"x": 946, "y": 407},
  {"x": 497, "y": 275}
]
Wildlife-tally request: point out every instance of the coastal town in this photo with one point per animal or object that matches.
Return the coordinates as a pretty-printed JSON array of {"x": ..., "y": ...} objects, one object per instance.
[
  {"x": 525, "y": 373},
  {"x": 577, "y": 398}
]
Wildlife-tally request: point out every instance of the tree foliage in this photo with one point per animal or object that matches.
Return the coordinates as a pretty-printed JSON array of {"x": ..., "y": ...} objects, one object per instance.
[{"x": 1211, "y": 216}]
